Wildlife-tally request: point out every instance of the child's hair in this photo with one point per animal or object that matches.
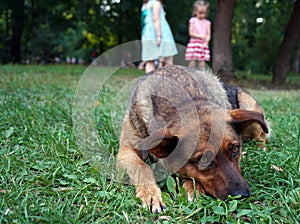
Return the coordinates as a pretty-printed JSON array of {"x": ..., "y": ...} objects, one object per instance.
[{"x": 200, "y": 3}]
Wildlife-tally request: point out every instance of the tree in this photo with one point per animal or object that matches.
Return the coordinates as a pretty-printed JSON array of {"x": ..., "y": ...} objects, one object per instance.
[
  {"x": 222, "y": 52},
  {"x": 18, "y": 16},
  {"x": 285, "y": 52},
  {"x": 38, "y": 31}
]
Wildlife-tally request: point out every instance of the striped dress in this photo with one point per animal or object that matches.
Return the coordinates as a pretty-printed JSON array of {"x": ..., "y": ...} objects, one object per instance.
[{"x": 196, "y": 48}]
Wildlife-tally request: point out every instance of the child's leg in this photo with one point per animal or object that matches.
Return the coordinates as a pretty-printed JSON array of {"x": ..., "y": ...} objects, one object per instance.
[
  {"x": 202, "y": 65},
  {"x": 192, "y": 64},
  {"x": 166, "y": 61},
  {"x": 150, "y": 66}
]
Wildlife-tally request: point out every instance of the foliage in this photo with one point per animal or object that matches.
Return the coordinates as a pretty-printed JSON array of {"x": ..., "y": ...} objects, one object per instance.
[
  {"x": 265, "y": 50},
  {"x": 76, "y": 28},
  {"x": 179, "y": 24},
  {"x": 46, "y": 179},
  {"x": 69, "y": 28},
  {"x": 256, "y": 44}
]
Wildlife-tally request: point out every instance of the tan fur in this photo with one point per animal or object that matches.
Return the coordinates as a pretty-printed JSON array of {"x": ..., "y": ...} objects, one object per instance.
[
  {"x": 253, "y": 131},
  {"x": 181, "y": 115}
]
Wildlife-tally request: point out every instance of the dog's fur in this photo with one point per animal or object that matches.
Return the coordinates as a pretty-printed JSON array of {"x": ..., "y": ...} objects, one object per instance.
[
  {"x": 241, "y": 99},
  {"x": 170, "y": 108}
]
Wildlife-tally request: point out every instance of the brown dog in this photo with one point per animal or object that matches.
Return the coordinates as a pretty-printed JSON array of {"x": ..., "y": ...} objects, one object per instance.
[{"x": 184, "y": 118}]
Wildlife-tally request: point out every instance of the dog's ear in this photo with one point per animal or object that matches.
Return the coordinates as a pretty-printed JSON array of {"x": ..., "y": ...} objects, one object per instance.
[
  {"x": 153, "y": 140},
  {"x": 243, "y": 118}
]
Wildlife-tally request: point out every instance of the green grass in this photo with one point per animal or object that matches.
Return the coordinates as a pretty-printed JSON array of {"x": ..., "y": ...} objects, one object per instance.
[
  {"x": 263, "y": 81},
  {"x": 44, "y": 178}
]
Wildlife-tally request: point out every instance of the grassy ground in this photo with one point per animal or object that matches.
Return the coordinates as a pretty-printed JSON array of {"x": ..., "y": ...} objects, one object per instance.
[{"x": 46, "y": 179}]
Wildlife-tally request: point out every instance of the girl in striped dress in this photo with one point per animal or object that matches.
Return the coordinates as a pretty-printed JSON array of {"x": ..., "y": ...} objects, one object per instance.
[{"x": 199, "y": 32}]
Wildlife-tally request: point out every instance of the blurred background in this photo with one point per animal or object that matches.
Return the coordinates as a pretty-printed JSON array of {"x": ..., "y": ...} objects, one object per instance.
[{"x": 77, "y": 31}]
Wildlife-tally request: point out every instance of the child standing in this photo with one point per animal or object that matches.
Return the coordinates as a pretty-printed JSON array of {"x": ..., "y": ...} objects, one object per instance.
[
  {"x": 199, "y": 32},
  {"x": 157, "y": 38}
]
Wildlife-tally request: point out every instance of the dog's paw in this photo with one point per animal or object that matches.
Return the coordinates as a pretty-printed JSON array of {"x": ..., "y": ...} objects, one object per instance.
[
  {"x": 151, "y": 197},
  {"x": 193, "y": 189}
]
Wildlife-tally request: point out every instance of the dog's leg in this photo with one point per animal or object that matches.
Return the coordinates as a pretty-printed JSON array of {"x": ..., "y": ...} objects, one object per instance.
[
  {"x": 142, "y": 177},
  {"x": 254, "y": 131},
  {"x": 193, "y": 188}
]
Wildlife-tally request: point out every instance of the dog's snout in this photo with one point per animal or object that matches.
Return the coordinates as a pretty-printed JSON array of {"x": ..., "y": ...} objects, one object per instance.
[
  {"x": 245, "y": 193},
  {"x": 242, "y": 190}
]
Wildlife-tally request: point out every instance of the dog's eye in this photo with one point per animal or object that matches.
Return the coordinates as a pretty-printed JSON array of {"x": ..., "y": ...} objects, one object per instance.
[{"x": 235, "y": 149}]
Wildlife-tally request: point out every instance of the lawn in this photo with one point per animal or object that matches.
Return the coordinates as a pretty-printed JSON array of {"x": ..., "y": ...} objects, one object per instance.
[{"x": 47, "y": 176}]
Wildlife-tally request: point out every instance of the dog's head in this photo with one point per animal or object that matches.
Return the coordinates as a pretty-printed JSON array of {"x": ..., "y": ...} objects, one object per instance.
[
  {"x": 218, "y": 170},
  {"x": 216, "y": 167}
]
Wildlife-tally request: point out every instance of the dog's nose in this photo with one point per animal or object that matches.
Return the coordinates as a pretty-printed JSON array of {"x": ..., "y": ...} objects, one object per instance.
[{"x": 245, "y": 193}]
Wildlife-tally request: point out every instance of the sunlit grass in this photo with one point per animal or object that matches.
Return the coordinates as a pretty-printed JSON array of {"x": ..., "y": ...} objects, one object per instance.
[{"x": 44, "y": 178}]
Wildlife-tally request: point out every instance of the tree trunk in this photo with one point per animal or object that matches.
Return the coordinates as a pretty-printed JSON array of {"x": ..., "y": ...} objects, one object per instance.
[
  {"x": 222, "y": 52},
  {"x": 18, "y": 17},
  {"x": 7, "y": 28},
  {"x": 285, "y": 51},
  {"x": 297, "y": 62}
]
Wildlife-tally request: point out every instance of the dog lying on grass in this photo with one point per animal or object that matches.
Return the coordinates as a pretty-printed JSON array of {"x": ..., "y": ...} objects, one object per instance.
[{"x": 183, "y": 118}]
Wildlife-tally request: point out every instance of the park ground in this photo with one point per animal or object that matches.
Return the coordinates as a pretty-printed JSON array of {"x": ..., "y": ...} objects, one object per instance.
[{"x": 45, "y": 177}]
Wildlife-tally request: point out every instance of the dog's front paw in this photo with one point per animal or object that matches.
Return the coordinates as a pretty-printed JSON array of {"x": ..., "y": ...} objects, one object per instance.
[
  {"x": 193, "y": 188},
  {"x": 151, "y": 197}
]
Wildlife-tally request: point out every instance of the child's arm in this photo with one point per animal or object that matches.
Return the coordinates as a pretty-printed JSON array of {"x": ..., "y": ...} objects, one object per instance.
[
  {"x": 208, "y": 35},
  {"x": 156, "y": 20}
]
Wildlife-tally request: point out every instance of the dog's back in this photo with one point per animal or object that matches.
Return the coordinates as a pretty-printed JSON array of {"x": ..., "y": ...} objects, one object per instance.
[{"x": 172, "y": 90}]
